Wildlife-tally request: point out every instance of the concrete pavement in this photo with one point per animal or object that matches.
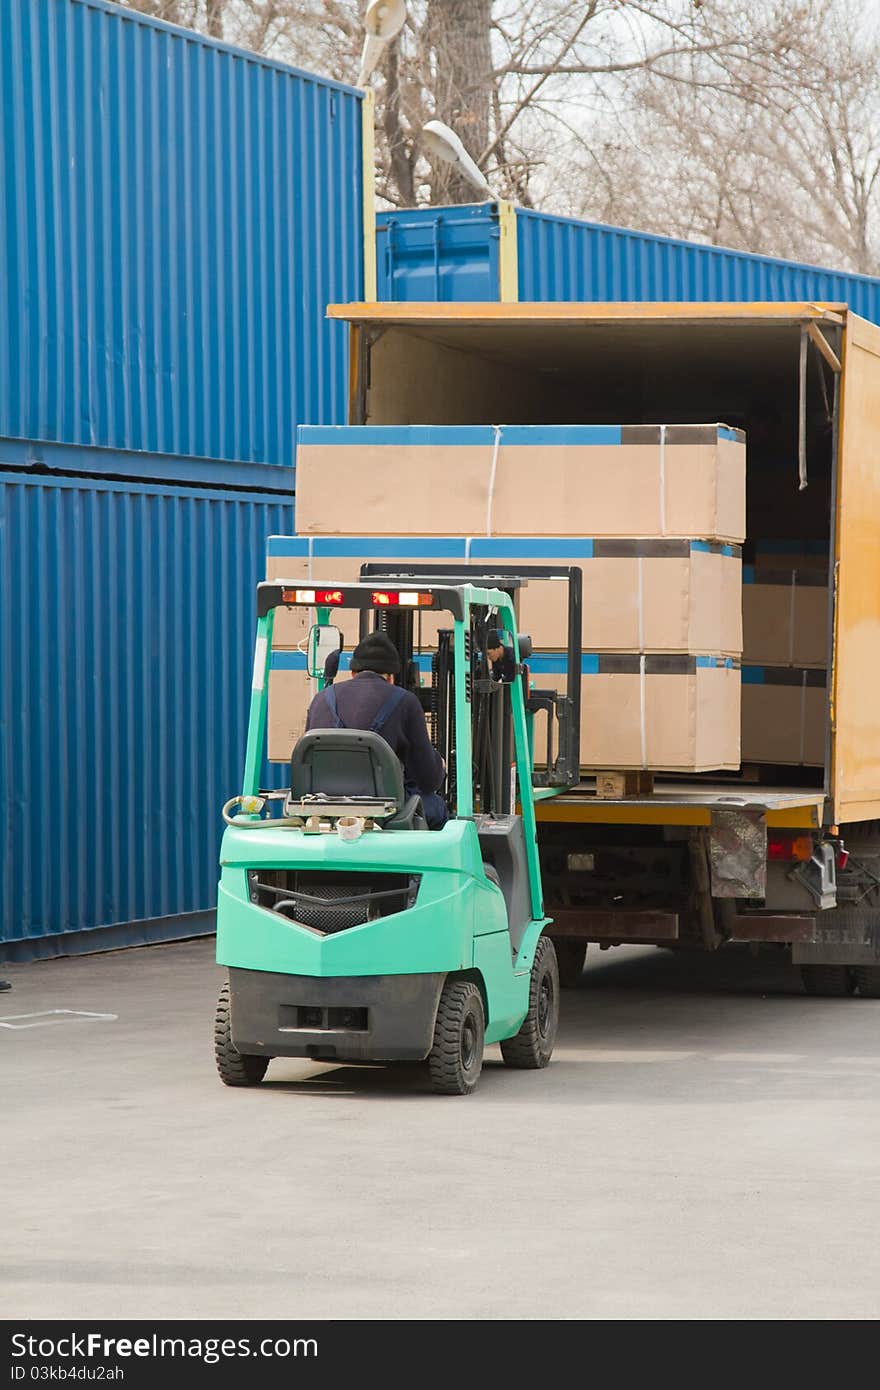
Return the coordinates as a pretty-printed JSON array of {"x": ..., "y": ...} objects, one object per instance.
[{"x": 704, "y": 1145}]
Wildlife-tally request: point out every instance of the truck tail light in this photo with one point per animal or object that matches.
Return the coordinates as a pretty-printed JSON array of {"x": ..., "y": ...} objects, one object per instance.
[{"x": 788, "y": 847}]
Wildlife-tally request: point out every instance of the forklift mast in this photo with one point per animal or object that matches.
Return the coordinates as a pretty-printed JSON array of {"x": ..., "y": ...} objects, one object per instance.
[{"x": 489, "y": 699}]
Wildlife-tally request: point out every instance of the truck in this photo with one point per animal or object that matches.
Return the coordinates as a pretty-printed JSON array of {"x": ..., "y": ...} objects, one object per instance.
[{"x": 783, "y": 855}]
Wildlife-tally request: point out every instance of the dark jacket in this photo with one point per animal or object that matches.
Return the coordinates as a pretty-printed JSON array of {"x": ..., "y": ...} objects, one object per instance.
[{"x": 359, "y": 700}]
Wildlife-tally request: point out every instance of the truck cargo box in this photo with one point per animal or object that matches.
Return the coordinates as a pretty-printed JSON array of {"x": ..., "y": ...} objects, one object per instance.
[{"x": 801, "y": 379}]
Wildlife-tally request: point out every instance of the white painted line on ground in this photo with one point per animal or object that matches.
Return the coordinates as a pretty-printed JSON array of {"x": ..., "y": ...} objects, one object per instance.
[{"x": 47, "y": 1017}]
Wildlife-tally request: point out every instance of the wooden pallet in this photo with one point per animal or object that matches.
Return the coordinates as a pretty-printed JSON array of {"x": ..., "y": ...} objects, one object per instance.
[{"x": 614, "y": 786}]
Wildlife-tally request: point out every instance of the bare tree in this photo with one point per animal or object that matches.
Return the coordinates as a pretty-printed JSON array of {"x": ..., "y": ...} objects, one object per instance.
[{"x": 784, "y": 160}]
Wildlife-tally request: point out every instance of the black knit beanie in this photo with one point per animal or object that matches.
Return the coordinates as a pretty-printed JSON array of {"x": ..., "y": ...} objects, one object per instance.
[{"x": 376, "y": 653}]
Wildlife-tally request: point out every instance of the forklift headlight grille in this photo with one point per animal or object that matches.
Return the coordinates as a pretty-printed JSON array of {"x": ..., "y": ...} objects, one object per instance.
[{"x": 328, "y": 902}]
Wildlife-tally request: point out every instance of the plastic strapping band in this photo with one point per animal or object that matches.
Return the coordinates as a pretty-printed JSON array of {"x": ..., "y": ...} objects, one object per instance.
[
  {"x": 467, "y": 549},
  {"x": 803, "y": 715},
  {"x": 311, "y": 555},
  {"x": 491, "y": 496},
  {"x": 642, "y": 704},
  {"x": 663, "y": 480},
  {"x": 641, "y": 605},
  {"x": 791, "y": 605}
]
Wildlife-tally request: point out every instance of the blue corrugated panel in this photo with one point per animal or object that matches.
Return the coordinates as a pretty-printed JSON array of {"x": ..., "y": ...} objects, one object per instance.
[
  {"x": 452, "y": 254},
  {"x": 174, "y": 217},
  {"x": 564, "y": 259},
  {"x": 126, "y": 653},
  {"x": 445, "y": 254}
]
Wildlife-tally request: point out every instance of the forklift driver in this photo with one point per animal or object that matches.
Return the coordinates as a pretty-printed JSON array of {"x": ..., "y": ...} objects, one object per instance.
[
  {"x": 500, "y": 657},
  {"x": 366, "y": 702}
]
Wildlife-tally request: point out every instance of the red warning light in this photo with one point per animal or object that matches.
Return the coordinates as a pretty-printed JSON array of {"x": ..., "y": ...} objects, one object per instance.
[{"x": 328, "y": 596}]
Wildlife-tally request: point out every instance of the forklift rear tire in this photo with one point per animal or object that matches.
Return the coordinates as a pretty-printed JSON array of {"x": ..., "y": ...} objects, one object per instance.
[
  {"x": 828, "y": 981},
  {"x": 235, "y": 1068},
  {"x": 868, "y": 981},
  {"x": 571, "y": 956},
  {"x": 532, "y": 1047},
  {"x": 456, "y": 1059}
]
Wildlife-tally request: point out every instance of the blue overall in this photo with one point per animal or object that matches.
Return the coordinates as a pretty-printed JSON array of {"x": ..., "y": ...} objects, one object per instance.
[{"x": 433, "y": 805}]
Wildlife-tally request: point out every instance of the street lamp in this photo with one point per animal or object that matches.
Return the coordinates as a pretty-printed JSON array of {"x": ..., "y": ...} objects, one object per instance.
[
  {"x": 442, "y": 142},
  {"x": 383, "y": 21}
]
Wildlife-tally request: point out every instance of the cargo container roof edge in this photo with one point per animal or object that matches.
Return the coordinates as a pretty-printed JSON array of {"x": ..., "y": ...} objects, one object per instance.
[
  {"x": 492, "y": 311},
  {"x": 504, "y": 207},
  {"x": 205, "y": 41}
]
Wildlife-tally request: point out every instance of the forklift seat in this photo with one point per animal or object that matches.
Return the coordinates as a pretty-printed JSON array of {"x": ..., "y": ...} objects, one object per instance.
[{"x": 342, "y": 763}]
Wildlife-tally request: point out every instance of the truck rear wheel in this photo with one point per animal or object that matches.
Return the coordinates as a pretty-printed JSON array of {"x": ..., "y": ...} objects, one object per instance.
[
  {"x": 532, "y": 1046},
  {"x": 868, "y": 981},
  {"x": 830, "y": 981},
  {"x": 235, "y": 1068},
  {"x": 456, "y": 1058},
  {"x": 570, "y": 958}
]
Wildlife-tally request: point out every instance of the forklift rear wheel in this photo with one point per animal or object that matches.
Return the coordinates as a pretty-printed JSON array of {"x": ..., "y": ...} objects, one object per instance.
[
  {"x": 829, "y": 981},
  {"x": 868, "y": 981},
  {"x": 235, "y": 1068},
  {"x": 456, "y": 1059},
  {"x": 532, "y": 1047},
  {"x": 570, "y": 957}
]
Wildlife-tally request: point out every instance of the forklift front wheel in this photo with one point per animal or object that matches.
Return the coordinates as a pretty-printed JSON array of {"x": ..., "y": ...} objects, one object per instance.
[
  {"x": 456, "y": 1059},
  {"x": 532, "y": 1046},
  {"x": 235, "y": 1068}
]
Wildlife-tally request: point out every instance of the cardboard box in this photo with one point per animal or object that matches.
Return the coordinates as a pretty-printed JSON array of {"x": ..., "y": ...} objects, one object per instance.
[
  {"x": 654, "y": 595},
  {"x": 290, "y": 694},
  {"x": 666, "y": 713},
  {"x": 638, "y": 595},
  {"x": 785, "y": 617},
  {"x": 544, "y": 480},
  {"x": 291, "y": 625},
  {"x": 662, "y": 712},
  {"x": 783, "y": 715},
  {"x": 291, "y": 691}
]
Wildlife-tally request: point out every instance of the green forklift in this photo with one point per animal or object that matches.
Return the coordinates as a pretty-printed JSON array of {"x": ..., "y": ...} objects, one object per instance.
[{"x": 349, "y": 930}]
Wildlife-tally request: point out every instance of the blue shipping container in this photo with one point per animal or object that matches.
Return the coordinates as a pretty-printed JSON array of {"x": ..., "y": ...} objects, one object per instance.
[
  {"x": 126, "y": 653},
  {"x": 174, "y": 217},
  {"x": 458, "y": 254}
]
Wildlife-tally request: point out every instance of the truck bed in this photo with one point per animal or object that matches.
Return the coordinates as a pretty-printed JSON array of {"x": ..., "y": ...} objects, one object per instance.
[{"x": 685, "y": 803}]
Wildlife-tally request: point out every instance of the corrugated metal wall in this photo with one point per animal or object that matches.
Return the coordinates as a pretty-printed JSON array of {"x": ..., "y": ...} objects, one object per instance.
[
  {"x": 563, "y": 259},
  {"x": 174, "y": 218},
  {"x": 452, "y": 254},
  {"x": 441, "y": 254},
  {"x": 126, "y": 654}
]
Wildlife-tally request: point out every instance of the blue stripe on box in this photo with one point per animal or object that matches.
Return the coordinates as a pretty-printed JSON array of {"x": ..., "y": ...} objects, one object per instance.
[
  {"x": 544, "y": 435},
  {"x": 561, "y": 434},
  {"x": 712, "y": 546},
  {"x": 753, "y": 675},
  {"x": 384, "y": 547},
  {"x": 748, "y": 576},
  {"x": 349, "y": 435},
  {"x": 530, "y": 548},
  {"x": 716, "y": 661},
  {"x": 287, "y": 546},
  {"x": 558, "y": 665},
  {"x": 296, "y": 661},
  {"x": 725, "y": 432},
  {"x": 288, "y": 661}
]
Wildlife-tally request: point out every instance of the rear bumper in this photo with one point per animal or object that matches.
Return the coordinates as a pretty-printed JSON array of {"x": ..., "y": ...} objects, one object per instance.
[{"x": 364, "y": 1018}]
